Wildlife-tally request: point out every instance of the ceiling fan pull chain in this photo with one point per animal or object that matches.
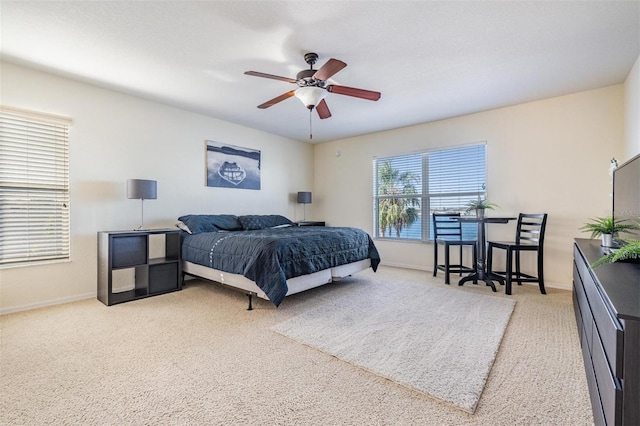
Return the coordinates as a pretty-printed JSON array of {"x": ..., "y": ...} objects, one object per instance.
[{"x": 310, "y": 132}]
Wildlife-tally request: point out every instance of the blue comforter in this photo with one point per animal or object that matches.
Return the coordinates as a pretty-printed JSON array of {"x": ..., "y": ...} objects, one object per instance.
[{"x": 271, "y": 256}]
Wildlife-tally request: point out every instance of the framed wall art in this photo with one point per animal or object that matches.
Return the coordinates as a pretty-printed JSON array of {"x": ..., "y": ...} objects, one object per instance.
[{"x": 230, "y": 166}]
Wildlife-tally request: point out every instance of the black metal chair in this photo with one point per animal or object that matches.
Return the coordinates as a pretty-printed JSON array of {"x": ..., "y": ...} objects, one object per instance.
[
  {"x": 448, "y": 232},
  {"x": 529, "y": 237}
]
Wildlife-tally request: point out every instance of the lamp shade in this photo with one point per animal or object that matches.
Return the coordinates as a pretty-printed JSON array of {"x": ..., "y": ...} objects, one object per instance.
[
  {"x": 142, "y": 189},
  {"x": 310, "y": 96},
  {"x": 304, "y": 197}
]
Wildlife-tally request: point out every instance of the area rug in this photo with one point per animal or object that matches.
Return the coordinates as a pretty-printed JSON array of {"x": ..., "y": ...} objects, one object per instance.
[{"x": 437, "y": 340}]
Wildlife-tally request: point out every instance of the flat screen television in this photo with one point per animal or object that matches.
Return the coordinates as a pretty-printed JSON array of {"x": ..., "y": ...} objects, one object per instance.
[{"x": 626, "y": 194}]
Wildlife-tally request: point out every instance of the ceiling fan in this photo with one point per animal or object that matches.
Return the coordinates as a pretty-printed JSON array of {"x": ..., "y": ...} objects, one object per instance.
[{"x": 313, "y": 86}]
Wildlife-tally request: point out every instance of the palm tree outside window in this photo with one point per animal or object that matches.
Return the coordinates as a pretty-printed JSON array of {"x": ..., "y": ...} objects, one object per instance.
[{"x": 408, "y": 188}]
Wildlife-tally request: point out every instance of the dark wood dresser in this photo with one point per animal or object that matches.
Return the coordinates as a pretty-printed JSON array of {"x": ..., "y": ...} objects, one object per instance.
[{"x": 607, "y": 307}]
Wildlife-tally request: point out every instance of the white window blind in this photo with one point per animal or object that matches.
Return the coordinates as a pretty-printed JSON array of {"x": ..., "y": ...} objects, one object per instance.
[
  {"x": 456, "y": 176},
  {"x": 34, "y": 187},
  {"x": 409, "y": 188}
]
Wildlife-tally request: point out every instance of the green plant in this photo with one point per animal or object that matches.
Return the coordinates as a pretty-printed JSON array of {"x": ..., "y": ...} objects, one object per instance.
[
  {"x": 396, "y": 212},
  {"x": 630, "y": 251},
  {"x": 606, "y": 225},
  {"x": 480, "y": 203}
]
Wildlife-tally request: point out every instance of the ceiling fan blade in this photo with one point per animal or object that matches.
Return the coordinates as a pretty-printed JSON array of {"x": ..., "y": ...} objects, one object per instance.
[
  {"x": 329, "y": 69},
  {"x": 276, "y": 100},
  {"x": 323, "y": 110},
  {"x": 274, "y": 77},
  {"x": 352, "y": 91}
]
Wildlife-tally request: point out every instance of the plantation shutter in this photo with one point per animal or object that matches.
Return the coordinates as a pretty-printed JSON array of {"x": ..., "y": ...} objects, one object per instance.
[{"x": 34, "y": 187}]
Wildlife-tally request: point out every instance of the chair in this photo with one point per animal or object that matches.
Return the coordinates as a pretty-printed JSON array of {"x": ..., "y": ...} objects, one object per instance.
[
  {"x": 448, "y": 232},
  {"x": 529, "y": 237}
]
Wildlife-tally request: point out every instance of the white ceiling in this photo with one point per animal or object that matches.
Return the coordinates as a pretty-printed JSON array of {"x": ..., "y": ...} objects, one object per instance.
[{"x": 430, "y": 59}]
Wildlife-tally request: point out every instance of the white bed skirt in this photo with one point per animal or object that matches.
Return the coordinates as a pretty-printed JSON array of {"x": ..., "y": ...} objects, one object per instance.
[{"x": 295, "y": 285}]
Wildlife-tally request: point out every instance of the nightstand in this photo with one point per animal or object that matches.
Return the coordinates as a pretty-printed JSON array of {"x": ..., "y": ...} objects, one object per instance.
[
  {"x": 127, "y": 271},
  {"x": 309, "y": 223}
]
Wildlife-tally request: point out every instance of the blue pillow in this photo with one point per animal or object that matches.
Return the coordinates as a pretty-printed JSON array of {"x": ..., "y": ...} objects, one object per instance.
[
  {"x": 211, "y": 222},
  {"x": 251, "y": 222}
]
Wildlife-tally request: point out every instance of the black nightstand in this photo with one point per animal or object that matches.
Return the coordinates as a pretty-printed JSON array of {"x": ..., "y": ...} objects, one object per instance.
[
  {"x": 309, "y": 223},
  {"x": 124, "y": 261}
]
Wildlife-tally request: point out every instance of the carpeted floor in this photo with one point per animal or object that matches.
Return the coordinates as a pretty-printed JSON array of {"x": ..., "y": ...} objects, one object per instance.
[{"x": 198, "y": 357}]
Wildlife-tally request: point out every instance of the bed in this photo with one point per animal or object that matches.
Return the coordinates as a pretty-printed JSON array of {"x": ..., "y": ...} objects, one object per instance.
[{"x": 269, "y": 256}]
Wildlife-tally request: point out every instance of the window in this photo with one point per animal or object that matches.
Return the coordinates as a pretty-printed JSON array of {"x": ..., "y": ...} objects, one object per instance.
[
  {"x": 407, "y": 186},
  {"x": 34, "y": 187}
]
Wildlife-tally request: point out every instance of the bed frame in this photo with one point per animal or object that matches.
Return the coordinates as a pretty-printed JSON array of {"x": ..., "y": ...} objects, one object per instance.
[{"x": 295, "y": 285}]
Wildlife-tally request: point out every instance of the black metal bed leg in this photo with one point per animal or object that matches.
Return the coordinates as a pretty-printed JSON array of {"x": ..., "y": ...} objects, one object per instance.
[{"x": 250, "y": 308}]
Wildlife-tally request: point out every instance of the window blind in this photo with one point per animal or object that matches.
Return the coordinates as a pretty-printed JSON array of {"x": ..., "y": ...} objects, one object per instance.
[
  {"x": 34, "y": 187},
  {"x": 409, "y": 188},
  {"x": 456, "y": 176}
]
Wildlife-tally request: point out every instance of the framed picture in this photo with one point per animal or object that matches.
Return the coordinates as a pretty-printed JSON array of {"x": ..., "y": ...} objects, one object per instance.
[{"x": 230, "y": 166}]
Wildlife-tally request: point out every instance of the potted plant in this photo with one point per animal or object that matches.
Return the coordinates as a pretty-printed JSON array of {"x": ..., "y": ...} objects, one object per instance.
[
  {"x": 608, "y": 228},
  {"x": 627, "y": 252},
  {"x": 480, "y": 205}
]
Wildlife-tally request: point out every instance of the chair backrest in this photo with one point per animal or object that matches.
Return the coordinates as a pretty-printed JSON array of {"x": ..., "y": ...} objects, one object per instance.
[
  {"x": 446, "y": 227},
  {"x": 531, "y": 228}
]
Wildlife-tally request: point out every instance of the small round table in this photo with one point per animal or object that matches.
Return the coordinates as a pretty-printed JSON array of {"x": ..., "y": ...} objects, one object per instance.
[{"x": 481, "y": 273}]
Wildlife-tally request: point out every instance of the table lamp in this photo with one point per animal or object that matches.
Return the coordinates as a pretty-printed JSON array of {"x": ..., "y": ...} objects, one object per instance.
[
  {"x": 144, "y": 190},
  {"x": 304, "y": 198}
]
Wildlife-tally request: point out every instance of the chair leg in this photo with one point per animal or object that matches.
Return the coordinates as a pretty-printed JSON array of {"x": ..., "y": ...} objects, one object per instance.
[
  {"x": 541, "y": 272},
  {"x": 490, "y": 274},
  {"x": 446, "y": 264},
  {"x": 435, "y": 258},
  {"x": 517, "y": 275},
  {"x": 475, "y": 262},
  {"x": 508, "y": 272}
]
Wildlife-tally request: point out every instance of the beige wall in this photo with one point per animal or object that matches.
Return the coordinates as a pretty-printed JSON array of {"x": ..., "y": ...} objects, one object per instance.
[
  {"x": 632, "y": 112},
  {"x": 115, "y": 137},
  {"x": 549, "y": 156}
]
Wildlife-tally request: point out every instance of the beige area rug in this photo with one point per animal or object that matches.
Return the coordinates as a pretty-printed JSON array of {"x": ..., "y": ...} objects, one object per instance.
[{"x": 435, "y": 340}]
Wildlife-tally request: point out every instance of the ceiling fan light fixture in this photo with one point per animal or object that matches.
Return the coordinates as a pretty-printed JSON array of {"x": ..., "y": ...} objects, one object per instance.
[
  {"x": 310, "y": 96},
  {"x": 313, "y": 87}
]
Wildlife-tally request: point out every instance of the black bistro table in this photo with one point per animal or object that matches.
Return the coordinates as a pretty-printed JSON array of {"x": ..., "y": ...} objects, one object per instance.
[{"x": 481, "y": 272}]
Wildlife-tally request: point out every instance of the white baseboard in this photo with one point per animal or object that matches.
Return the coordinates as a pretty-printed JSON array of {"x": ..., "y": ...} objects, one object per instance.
[
  {"x": 402, "y": 265},
  {"x": 58, "y": 301}
]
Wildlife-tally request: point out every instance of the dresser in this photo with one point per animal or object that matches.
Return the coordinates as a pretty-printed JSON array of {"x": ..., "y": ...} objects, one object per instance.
[{"x": 607, "y": 307}]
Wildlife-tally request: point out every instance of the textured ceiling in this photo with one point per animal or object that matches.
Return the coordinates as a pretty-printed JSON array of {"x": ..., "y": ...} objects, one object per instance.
[{"x": 431, "y": 60}]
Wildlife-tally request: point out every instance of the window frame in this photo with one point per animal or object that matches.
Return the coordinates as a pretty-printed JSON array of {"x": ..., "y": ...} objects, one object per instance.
[
  {"x": 34, "y": 188},
  {"x": 424, "y": 195}
]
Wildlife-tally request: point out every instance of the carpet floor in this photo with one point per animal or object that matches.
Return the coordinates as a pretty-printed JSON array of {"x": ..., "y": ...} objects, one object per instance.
[{"x": 198, "y": 357}]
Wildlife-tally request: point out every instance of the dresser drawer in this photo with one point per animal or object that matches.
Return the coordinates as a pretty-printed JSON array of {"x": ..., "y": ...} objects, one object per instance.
[
  {"x": 607, "y": 326},
  {"x": 576, "y": 310},
  {"x": 594, "y": 396},
  {"x": 609, "y": 387},
  {"x": 585, "y": 310},
  {"x": 580, "y": 264}
]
